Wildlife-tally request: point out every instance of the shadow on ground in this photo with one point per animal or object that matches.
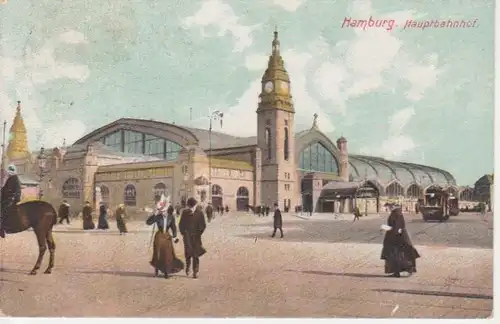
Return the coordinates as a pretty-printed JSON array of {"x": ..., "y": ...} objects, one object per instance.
[
  {"x": 455, "y": 233},
  {"x": 121, "y": 273},
  {"x": 341, "y": 274},
  {"x": 435, "y": 293}
]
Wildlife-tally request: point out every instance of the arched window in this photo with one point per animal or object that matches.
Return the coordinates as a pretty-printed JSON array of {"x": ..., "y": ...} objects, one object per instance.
[
  {"x": 104, "y": 193},
  {"x": 318, "y": 158},
  {"x": 242, "y": 199},
  {"x": 286, "y": 145},
  {"x": 216, "y": 190},
  {"x": 217, "y": 196},
  {"x": 141, "y": 143},
  {"x": 158, "y": 190},
  {"x": 467, "y": 194},
  {"x": 242, "y": 192},
  {"x": 130, "y": 196},
  {"x": 71, "y": 188},
  {"x": 394, "y": 190},
  {"x": 414, "y": 191},
  {"x": 268, "y": 143}
]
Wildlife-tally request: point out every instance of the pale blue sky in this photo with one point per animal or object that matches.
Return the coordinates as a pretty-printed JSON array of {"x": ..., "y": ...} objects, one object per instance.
[{"x": 423, "y": 96}]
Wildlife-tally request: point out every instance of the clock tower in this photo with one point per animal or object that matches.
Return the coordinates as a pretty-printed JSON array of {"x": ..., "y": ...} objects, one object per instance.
[{"x": 275, "y": 127}]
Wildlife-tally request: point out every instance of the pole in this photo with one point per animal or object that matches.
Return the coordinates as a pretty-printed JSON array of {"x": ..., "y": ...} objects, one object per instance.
[
  {"x": 210, "y": 161},
  {"x": 2, "y": 168},
  {"x": 366, "y": 199}
]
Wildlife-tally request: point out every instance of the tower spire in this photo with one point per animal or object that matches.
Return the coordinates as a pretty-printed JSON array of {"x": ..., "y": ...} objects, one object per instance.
[
  {"x": 18, "y": 139},
  {"x": 276, "y": 42}
]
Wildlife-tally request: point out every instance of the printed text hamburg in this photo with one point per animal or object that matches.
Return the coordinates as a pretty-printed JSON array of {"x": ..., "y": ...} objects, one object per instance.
[{"x": 389, "y": 24}]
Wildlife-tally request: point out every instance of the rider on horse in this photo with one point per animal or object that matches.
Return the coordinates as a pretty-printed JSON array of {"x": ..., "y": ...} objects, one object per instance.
[{"x": 10, "y": 196}]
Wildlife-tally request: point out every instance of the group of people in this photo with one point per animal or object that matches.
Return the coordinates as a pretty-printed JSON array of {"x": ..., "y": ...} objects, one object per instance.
[
  {"x": 191, "y": 226},
  {"x": 398, "y": 251},
  {"x": 88, "y": 221}
]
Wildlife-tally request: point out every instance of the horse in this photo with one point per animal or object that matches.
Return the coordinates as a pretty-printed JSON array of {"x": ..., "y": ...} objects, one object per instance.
[{"x": 39, "y": 215}]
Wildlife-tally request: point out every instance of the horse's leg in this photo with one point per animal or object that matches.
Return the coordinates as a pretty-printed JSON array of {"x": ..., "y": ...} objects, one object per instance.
[
  {"x": 42, "y": 247},
  {"x": 52, "y": 250}
]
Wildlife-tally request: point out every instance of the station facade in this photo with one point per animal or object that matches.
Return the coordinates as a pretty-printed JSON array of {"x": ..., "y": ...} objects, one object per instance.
[{"x": 134, "y": 161}]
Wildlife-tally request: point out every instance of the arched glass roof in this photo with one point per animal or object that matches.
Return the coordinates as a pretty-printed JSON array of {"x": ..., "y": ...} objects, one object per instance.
[
  {"x": 438, "y": 177},
  {"x": 385, "y": 174},
  {"x": 365, "y": 170},
  {"x": 353, "y": 171},
  {"x": 404, "y": 176},
  {"x": 423, "y": 178}
]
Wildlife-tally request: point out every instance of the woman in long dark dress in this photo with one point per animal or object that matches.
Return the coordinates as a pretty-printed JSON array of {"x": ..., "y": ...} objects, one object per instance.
[
  {"x": 103, "y": 218},
  {"x": 88, "y": 223},
  {"x": 120, "y": 219},
  {"x": 164, "y": 258},
  {"x": 398, "y": 251}
]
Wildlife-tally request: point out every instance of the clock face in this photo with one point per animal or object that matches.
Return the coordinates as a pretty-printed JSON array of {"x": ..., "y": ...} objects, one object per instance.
[
  {"x": 268, "y": 87},
  {"x": 284, "y": 87}
]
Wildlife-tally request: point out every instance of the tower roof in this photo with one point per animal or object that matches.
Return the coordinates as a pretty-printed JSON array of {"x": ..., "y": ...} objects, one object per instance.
[
  {"x": 275, "y": 66},
  {"x": 18, "y": 139}
]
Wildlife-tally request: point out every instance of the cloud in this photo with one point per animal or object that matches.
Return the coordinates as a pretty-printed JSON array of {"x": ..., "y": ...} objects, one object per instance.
[
  {"x": 289, "y": 5},
  {"x": 256, "y": 62},
  {"x": 399, "y": 120},
  {"x": 421, "y": 77},
  {"x": 365, "y": 61},
  {"x": 396, "y": 147},
  {"x": 328, "y": 82},
  {"x": 72, "y": 37},
  {"x": 305, "y": 105},
  {"x": 397, "y": 144},
  {"x": 39, "y": 68},
  {"x": 216, "y": 13},
  {"x": 68, "y": 130}
]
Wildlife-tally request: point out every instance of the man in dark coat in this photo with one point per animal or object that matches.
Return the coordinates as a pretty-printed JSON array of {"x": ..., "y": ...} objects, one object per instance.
[
  {"x": 398, "y": 251},
  {"x": 278, "y": 220},
  {"x": 192, "y": 225},
  {"x": 64, "y": 212},
  {"x": 210, "y": 212},
  {"x": 10, "y": 196}
]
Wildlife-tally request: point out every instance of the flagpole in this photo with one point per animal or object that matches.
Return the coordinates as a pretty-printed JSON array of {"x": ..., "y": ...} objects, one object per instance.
[{"x": 2, "y": 165}]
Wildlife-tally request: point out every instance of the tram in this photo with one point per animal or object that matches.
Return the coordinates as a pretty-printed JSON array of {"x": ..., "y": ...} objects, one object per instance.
[{"x": 435, "y": 205}]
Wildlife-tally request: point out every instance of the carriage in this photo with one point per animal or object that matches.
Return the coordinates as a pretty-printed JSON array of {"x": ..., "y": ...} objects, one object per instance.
[{"x": 436, "y": 205}]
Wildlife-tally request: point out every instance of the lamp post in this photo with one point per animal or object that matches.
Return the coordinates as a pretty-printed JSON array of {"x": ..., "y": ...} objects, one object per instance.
[
  {"x": 42, "y": 163},
  {"x": 216, "y": 115}
]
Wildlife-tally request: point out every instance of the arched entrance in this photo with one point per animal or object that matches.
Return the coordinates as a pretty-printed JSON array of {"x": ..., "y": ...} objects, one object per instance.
[
  {"x": 158, "y": 190},
  {"x": 217, "y": 196},
  {"x": 104, "y": 195},
  {"x": 130, "y": 196},
  {"x": 242, "y": 199}
]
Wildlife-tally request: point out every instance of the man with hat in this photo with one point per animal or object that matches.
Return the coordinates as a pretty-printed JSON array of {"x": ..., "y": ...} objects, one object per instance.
[
  {"x": 10, "y": 196},
  {"x": 192, "y": 225},
  {"x": 277, "y": 220}
]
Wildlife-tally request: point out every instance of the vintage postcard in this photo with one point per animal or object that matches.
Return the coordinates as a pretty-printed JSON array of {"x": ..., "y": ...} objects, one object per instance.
[{"x": 220, "y": 158}]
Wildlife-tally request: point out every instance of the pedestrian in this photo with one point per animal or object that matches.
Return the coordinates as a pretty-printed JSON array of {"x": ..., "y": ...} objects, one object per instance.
[
  {"x": 88, "y": 222},
  {"x": 268, "y": 209},
  {"x": 357, "y": 214},
  {"x": 192, "y": 225},
  {"x": 278, "y": 220},
  {"x": 178, "y": 210},
  {"x": 120, "y": 215},
  {"x": 63, "y": 212},
  {"x": 103, "y": 218},
  {"x": 164, "y": 258},
  {"x": 209, "y": 211},
  {"x": 398, "y": 251}
]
